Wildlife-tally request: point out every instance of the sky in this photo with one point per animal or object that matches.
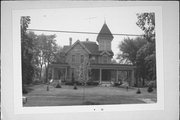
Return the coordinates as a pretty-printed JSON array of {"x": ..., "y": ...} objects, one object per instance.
[{"x": 120, "y": 20}]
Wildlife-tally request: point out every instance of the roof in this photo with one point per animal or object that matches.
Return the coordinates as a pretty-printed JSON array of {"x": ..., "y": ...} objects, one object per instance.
[
  {"x": 65, "y": 48},
  {"x": 91, "y": 46},
  {"x": 108, "y": 52},
  {"x": 77, "y": 42},
  {"x": 105, "y": 33}
]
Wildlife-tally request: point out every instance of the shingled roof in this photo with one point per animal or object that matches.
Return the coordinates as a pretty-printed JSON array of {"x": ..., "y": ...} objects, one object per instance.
[
  {"x": 91, "y": 46},
  {"x": 105, "y": 33},
  {"x": 66, "y": 47}
]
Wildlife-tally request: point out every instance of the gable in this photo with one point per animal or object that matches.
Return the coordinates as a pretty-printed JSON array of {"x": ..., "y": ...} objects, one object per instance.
[
  {"x": 92, "y": 47},
  {"x": 105, "y": 53},
  {"x": 78, "y": 47}
]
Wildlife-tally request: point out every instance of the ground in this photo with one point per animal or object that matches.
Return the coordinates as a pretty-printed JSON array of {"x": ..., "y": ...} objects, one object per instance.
[{"x": 93, "y": 95}]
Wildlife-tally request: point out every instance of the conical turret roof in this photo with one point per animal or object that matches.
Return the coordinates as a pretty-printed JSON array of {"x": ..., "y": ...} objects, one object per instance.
[{"x": 105, "y": 33}]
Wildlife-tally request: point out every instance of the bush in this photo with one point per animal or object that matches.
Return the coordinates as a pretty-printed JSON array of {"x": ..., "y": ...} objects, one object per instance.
[
  {"x": 69, "y": 83},
  {"x": 93, "y": 83},
  {"x": 150, "y": 89},
  {"x": 138, "y": 91},
  {"x": 37, "y": 82},
  {"x": 25, "y": 91},
  {"x": 58, "y": 86}
]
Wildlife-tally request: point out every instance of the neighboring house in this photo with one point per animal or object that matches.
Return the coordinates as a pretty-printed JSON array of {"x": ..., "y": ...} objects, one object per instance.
[{"x": 97, "y": 55}]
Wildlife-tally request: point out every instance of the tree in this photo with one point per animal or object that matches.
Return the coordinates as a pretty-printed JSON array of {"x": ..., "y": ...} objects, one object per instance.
[
  {"x": 129, "y": 48},
  {"x": 146, "y": 21},
  {"x": 26, "y": 52},
  {"x": 59, "y": 55},
  {"x": 44, "y": 51},
  {"x": 146, "y": 55},
  {"x": 34, "y": 61},
  {"x": 50, "y": 50}
]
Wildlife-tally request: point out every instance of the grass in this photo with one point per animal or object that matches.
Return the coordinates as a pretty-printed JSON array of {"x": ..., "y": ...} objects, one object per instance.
[{"x": 94, "y": 95}]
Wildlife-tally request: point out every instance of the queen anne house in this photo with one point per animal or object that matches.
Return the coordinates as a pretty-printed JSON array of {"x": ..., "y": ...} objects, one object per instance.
[{"x": 99, "y": 56}]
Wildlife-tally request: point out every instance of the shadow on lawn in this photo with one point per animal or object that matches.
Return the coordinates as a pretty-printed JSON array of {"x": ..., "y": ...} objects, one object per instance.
[{"x": 90, "y": 103}]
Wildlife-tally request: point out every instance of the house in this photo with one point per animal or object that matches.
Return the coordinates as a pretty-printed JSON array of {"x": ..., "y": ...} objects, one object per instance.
[{"x": 98, "y": 57}]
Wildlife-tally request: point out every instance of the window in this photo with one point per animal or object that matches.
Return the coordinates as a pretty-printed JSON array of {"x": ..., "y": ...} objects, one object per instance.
[
  {"x": 105, "y": 59},
  {"x": 82, "y": 58},
  {"x": 73, "y": 58}
]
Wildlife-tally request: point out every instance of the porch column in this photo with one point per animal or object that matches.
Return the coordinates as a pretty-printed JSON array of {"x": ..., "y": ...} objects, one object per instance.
[
  {"x": 132, "y": 78},
  {"x": 66, "y": 74},
  {"x": 53, "y": 73},
  {"x": 100, "y": 75},
  {"x": 87, "y": 75},
  {"x": 117, "y": 75}
]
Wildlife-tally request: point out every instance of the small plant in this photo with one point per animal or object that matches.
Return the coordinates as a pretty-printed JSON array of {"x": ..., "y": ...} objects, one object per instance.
[
  {"x": 75, "y": 86},
  {"x": 138, "y": 91},
  {"x": 58, "y": 86},
  {"x": 150, "y": 89},
  {"x": 150, "y": 86},
  {"x": 25, "y": 91}
]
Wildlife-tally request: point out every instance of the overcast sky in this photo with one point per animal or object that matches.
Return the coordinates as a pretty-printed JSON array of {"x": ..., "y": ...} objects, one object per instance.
[{"x": 119, "y": 20}]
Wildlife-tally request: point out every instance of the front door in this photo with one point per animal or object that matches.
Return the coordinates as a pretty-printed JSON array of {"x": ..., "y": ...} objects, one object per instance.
[{"x": 106, "y": 75}]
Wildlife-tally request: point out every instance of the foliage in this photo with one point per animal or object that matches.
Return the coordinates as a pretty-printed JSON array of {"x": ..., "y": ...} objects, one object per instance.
[
  {"x": 93, "y": 83},
  {"x": 84, "y": 71},
  {"x": 44, "y": 49},
  {"x": 129, "y": 48},
  {"x": 140, "y": 51},
  {"x": 146, "y": 21},
  {"x": 26, "y": 52},
  {"x": 146, "y": 61},
  {"x": 146, "y": 57},
  {"x": 59, "y": 55}
]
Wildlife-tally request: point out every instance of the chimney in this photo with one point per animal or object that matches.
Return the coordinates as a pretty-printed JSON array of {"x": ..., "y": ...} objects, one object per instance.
[
  {"x": 87, "y": 39},
  {"x": 70, "y": 41}
]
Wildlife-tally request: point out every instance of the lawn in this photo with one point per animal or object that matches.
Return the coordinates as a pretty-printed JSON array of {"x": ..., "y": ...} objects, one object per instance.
[{"x": 93, "y": 95}]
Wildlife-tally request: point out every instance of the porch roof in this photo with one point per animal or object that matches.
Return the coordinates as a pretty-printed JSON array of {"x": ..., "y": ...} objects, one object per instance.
[{"x": 113, "y": 66}]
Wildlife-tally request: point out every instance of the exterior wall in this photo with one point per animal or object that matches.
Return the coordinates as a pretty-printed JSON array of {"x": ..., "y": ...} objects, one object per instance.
[
  {"x": 101, "y": 59},
  {"x": 94, "y": 59},
  {"x": 77, "y": 51},
  {"x": 104, "y": 45}
]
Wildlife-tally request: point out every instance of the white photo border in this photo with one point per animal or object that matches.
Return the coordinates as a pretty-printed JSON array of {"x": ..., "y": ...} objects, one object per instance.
[{"x": 17, "y": 74}]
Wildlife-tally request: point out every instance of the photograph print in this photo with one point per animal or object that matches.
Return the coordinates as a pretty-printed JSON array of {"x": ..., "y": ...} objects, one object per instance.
[{"x": 88, "y": 56}]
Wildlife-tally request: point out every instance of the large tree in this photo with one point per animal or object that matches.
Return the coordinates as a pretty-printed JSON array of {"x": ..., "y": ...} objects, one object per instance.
[
  {"x": 141, "y": 50},
  {"x": 146, "y": 21},
  {"x": 45, "y": 50},
  {"x": 26, "y": 51},
  {"x": 146, "y": 55},
  {"x": 129, "y": 48}
]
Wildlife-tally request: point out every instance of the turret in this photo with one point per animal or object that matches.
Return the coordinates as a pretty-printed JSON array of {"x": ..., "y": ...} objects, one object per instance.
[{"x": 104, "y": 38}]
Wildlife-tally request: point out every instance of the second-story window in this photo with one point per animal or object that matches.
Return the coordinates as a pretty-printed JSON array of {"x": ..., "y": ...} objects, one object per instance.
[
  {"x": 105, "y": 59},
  {"x": 73, "y": 58},
  {"x": 82, "y": 58}
]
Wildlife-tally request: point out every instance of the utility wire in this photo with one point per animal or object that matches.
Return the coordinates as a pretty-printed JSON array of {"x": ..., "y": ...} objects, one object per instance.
[{"x": 82, "y": 32}]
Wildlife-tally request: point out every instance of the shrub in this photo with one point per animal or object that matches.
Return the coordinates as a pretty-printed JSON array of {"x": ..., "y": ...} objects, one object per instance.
[
  {"x": 25, "y": 90},
  {"x": 69, "y": 83},
  {"x": 92, "y": 83},
  {"x": 150, "y": 89},
  {"x": 138, "y": 91},
  {"x": 58, "y": 86}
]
